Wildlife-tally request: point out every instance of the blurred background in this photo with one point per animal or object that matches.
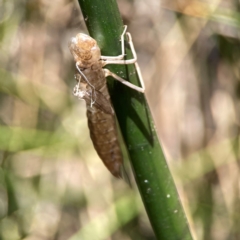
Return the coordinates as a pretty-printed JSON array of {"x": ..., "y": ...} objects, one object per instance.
[{"x": 52, "y": 183}]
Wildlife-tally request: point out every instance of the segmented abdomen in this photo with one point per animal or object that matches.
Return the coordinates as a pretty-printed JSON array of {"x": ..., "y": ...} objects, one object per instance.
[{"x": 103, "y": 132}]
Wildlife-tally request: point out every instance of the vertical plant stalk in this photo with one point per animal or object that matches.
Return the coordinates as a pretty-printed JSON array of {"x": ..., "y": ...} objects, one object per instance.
[{"x": 150, "y": 168}]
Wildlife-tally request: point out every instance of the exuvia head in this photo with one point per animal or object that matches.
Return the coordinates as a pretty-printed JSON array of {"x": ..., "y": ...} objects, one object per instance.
[{"x": 84, "y": 50}]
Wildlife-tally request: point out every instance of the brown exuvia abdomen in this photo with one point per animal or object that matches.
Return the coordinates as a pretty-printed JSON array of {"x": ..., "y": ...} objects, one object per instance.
[{"x": 103, "y": 132}]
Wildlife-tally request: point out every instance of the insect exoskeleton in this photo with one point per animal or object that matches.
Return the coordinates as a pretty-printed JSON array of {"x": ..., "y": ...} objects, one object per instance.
[{"x": 91, "y": 87}]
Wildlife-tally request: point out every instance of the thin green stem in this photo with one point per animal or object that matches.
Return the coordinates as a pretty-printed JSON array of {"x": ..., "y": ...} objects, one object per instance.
[{"x": 150, "y": 168}]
